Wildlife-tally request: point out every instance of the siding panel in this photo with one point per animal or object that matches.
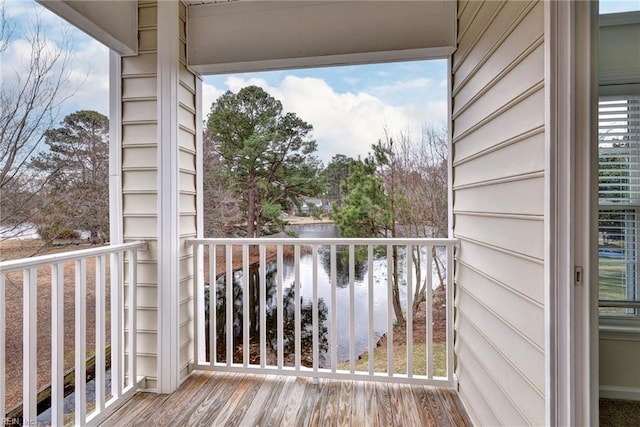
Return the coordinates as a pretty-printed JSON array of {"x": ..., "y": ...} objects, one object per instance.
[
  {"x": 144, "y": 64},
  {"x": 506, "y": 411},
  {"x": 140, "y": 204},
  {"x": 529, "y": 152},
  {"x": 139, "y": 180},
  {"x": 143, "y": 87},
  {"x": 502, "y": 267},
  {"x": 519, "y": 236},
  {"x": 187, "y": 117},
  {"x": 489, "y": 41},
  {"x": 139, "y": 133},
  {"x": 521, "y": 78},
  {"x": 526, "y": 197},
  {"x": 498, "y": 201},
  {"x": 504, "y": 58},
  {"x": 520, "y": 118},
  {"x": 139, "y": 157},
  {"x": 500, "y": 299},
  {"x": 137, "y": 111},
  {"x": 500, "y": 345}
]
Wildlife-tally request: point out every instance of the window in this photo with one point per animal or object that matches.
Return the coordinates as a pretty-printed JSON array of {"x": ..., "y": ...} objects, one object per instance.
[{"x": 619, "y": 202}]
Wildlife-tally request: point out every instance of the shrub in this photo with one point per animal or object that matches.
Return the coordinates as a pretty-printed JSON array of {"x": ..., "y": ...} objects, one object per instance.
[{"x": 56, "y": 231}]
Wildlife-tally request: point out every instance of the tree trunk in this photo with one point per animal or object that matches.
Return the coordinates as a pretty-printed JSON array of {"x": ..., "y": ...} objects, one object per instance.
[
  {"x": 419, "y": 294},
  {"x": 438, "y": 263},
  {"x": 397, "y": 307},
  {"x": 251, "y": 209}
]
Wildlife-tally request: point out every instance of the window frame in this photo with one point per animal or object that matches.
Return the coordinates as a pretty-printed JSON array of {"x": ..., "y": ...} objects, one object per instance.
[{"x": 629, "y": 317}]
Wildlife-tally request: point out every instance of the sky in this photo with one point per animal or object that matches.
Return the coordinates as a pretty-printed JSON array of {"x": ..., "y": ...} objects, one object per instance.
[{"x": 349, "y": 107}]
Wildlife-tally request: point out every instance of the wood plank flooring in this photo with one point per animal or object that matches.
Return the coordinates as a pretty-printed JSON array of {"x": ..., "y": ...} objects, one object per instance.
[{"x": 222, "y": 399}]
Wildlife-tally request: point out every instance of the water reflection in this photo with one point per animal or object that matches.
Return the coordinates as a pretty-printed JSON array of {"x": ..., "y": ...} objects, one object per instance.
[
  {"x": 361, "y": 292},
  {"x": 271, "y": 318},
  {"x": 342, "y": 264}
]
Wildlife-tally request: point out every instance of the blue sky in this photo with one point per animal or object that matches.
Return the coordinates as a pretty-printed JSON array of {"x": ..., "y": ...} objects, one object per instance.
[{"x": 350, "y": 107}]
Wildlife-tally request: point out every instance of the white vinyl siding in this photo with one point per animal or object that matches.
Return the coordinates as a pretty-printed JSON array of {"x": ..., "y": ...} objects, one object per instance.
[
  {"x": 498, "y": 201},
  {"x": 187, "y": 195},
  {"x": 140, "y": 184},
  {"x": 139, "y": 180}
]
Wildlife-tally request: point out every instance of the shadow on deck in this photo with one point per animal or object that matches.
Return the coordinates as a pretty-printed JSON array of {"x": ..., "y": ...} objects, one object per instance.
[{"x": 208, "y": 398}]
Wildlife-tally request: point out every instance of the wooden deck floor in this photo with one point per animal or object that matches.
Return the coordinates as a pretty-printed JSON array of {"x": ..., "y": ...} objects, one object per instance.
[{"x": 218, "y": 399}]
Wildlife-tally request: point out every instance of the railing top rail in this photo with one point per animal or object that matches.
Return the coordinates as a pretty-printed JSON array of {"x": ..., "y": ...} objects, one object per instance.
[
  {"x": 19, "y": 264},
  {"x": 326, "y": 241}
]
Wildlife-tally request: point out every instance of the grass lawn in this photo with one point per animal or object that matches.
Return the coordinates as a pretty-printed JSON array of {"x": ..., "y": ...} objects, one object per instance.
[
  {"x": 612, "y": 281},
  {"x": 400, "y": 360}
]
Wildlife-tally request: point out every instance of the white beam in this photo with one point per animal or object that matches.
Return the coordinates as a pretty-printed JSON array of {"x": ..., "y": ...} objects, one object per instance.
[
  {"x": 247, "y": 36},
  {"x": 115, "y": 149},
  {"x": 168, "y": 201},
  {"x": 112, "y": 23},
  {"x": 570, "y": 90}
]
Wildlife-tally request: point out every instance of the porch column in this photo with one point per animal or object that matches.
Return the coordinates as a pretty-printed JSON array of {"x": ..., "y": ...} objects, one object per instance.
[
  {"x": 168, "y": 198},
  {"x": 158, "y": 176}
]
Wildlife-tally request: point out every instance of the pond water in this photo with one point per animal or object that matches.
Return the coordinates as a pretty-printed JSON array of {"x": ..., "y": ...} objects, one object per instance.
[{"x": 325, "y": 308}]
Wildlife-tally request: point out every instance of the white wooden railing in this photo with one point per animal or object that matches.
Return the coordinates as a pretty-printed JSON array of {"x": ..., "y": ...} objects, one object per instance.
[
  {"x": 232, "y": 344},
  {"x": 110, "y": 262}
]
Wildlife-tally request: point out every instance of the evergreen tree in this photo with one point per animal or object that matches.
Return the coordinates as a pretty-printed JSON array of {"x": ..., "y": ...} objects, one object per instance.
[
  {"x": 336, "y": 174},
  {"x": 366, "y": 211},
  {"x": 268, "y": 154},
  {"x": 76, "y": 169}
]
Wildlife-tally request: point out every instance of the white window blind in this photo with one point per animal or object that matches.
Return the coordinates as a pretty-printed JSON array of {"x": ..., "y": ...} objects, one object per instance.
[{"x": 619, "y": 200}]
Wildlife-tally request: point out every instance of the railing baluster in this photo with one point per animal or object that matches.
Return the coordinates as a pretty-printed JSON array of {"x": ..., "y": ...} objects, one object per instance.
[
  {"x": 229, "y": 303},
  {"x": 198, "y": 297},
  {"x": 213, "y": 306},
  {"x": 133, "y": 307},
  {"x": 116, "y": 325},
  {"x": 280, "y": 305},
  {"x": 370, "y": 343},
  {"x": 263, "y": 306},
  {"x": 352, "y": 310},
  {"x": 389, "y": 310},
  {"x": 101, "y": 276},
  {"x": 2, "y": 345},
  {"x": 409, "y": 324},
  {"x": 411, "y": 271},
  {"x": 30, "y": 311},
  {"x": 297, "y": 316},
  {"x": 245, "y": 306},
  {"x": 449, "y": 311},
  {"x": 56, "y": 263},
  {"x": 334, "y": 311},
  {"x": 429, "y": 310},
  {"x": 314, "y": 314},
  {"x": 81, "y": 342}
]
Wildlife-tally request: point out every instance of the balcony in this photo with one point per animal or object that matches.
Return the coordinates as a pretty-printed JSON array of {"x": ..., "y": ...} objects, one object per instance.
[
  {"x": 310, "y": 332},
  {"x": 216, "y": 398}
]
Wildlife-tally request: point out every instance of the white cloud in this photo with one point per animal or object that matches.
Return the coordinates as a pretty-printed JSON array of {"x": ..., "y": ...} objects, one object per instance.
[
  {"x": 209, "y": 94},
  {"x": 348, "y": 122}
]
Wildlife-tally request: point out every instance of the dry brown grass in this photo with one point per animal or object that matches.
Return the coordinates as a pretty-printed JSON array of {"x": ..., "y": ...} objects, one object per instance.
[{"x": 14, "y": 317}]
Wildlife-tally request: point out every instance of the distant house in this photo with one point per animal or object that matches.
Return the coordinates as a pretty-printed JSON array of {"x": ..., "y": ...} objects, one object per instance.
[{"x": 305, "y": 206}]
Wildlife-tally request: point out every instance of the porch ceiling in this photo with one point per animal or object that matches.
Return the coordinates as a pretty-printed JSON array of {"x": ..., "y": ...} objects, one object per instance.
[
  {"x": 229, "y": 36},
  {"x": 247, "y": 36}
]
